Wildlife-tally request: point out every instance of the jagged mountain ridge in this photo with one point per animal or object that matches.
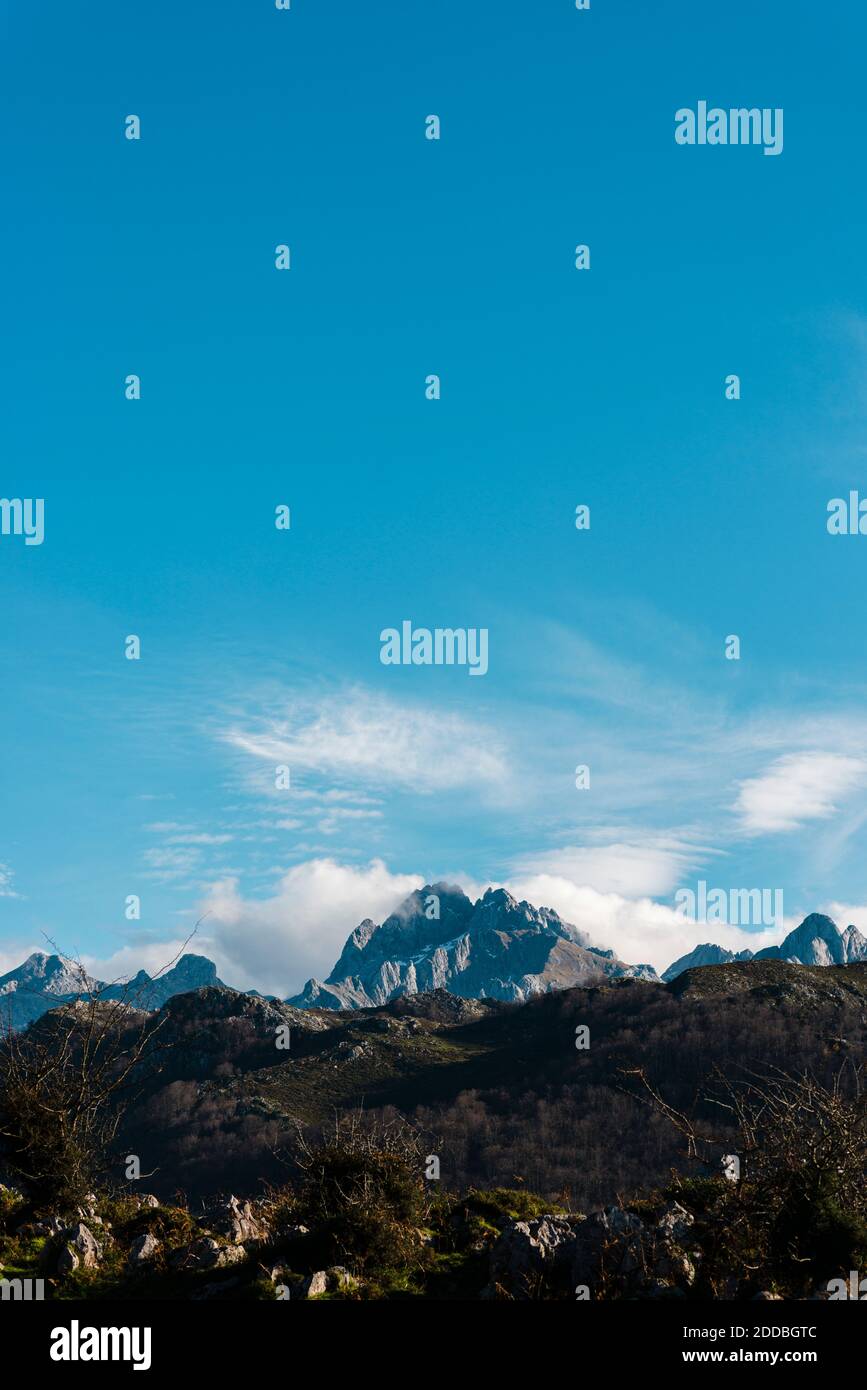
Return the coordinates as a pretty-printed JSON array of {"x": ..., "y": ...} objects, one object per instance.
[
  {"x": 817, "y": 941},
  {"x": 495, "y": 948},
  {"x": 44, "y": 982}
]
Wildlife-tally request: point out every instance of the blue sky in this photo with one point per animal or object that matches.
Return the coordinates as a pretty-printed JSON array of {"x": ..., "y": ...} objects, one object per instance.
[{"x": 559, "y": 387}]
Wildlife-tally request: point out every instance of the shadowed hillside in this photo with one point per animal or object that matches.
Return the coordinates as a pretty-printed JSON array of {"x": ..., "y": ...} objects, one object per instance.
[{"x": 501, "y": 1090}]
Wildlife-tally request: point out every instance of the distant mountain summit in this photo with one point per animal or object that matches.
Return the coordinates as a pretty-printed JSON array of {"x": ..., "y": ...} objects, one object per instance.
[
  {"x": 706, "y": 954},
  {"x": 191, "y": 972},
  {"x": 46, "y": 974},
  {"x": 44, "y": 982},
  {"x": 495, "y": 948},
  {"x": 817, "y": 941}
]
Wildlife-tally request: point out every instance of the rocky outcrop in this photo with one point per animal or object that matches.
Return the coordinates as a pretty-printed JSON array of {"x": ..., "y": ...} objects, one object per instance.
[
  {"x": 80, "y": 1249},
  {"x": 146, "y": 992},
  {"x": 528, "y": 1252},
  {"x": 334, "y": 1280},
  {"x": 235, "y": 1220},
  {"x": 208, "y": 1253},
  {"x": 818, "y": 941},
  {"x": 610, "y": 1253}
]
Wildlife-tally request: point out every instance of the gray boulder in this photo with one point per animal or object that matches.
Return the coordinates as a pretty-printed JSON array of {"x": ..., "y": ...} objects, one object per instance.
[
  {"x": 528, "y": 1251},
  {"x": 143, "y": 1250},
  {"x": 315, "y": 1284},
  {"x": 236, "y": 1220},
  {"x": 675, "y": 1224},
  {"x": 208, "y": 1253},
  {"x": 609, "y": 1244},
  {"x": 80, "y": 1249}
]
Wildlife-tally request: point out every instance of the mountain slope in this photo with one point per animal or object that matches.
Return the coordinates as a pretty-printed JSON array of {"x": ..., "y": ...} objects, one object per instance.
[
  {"x": 501, "y": 1088},
  {"x": 496, "y": 948}
]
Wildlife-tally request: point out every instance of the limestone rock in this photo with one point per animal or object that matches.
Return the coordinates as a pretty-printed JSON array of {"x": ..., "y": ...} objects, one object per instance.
[
  {"x": 208, "y": 1253},
  {"x": 236, "y": 1220},
  {"x": 675, "y": 1224},
  {"x": 67, "y": 1260},
  {"x": 143, "y": 1250},
  {"x": 85, "y": 1248},
  {"x": 495, "y": 948},
  {"x": 529, "y": 1250},
  {"x": 608, "y": 1243},
  {"x": 315, "y": 1284}
]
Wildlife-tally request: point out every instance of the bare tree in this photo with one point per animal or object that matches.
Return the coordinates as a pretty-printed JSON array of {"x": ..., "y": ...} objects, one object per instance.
[
  {"x": 797, "y": 1211},
  {"x": 67, "y": 1080}
]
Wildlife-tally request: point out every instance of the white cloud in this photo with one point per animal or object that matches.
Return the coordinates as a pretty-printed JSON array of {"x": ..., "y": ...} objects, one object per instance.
[
  {"x": 168, "y": 863},
  {"x": 12, "y": 956},
  {"x": 199, "y": 839},
  {"x": 797, "y": 788},
  {"x": 153, "y": 956},
  {"x": 358, "y": 734},
  {"x": 847, "y": 914},
  {"x": 334, "y": 820},
  {"x": 651, "y": 868},
  {"x": 637, "y": 930},
  {"x": 6, "y": 877},
  {"x": 275, "y": 944}
]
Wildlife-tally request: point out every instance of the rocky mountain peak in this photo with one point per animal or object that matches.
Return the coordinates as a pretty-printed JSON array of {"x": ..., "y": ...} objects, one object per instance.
[
  {"x": 44, "y": 982},
  {"x": 47, "y": 974},
  {"x": 438, "y": 939},
  {"x": 817, "y": 941},
  {"x": 426, "y": 918}
]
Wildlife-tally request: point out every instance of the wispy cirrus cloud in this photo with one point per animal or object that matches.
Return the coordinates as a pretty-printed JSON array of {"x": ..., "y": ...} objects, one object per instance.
[
  {"x": 199, "y": 838},
  {"x": 169, "y": 863},
  {"x": 360, "y": 735},
  {"x": 6, "y": 877}
]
